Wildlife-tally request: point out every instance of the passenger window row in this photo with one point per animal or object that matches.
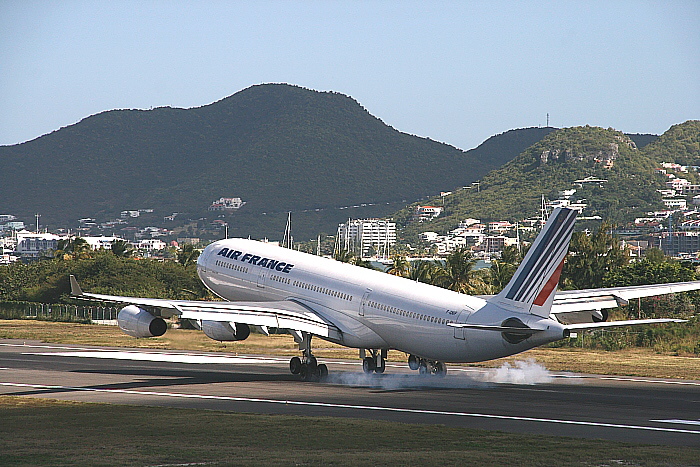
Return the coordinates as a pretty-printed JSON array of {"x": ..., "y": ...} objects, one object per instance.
[
  {"x": 235, "y": 267},
  {"x": 323, "y": 290},
  {"x": 409, "y": 314},
  {"x": 284, "y": 280}
]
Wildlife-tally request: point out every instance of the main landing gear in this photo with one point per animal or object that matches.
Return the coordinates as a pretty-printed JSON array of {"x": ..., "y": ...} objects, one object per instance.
[
  {"x": 427, "y": 367},
  {"x": 307, "y": 367},
  {"x": 375, "y": 362}
]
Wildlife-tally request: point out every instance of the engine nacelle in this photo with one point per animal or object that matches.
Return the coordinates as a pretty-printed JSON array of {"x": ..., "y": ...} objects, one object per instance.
[
  {"x": 137, "y": 322},
  {"x": 220, "y": 331}
]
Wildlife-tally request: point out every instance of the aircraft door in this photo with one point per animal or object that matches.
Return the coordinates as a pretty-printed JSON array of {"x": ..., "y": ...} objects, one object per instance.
[
  {"x": 363, "y": 302},
  {"x": 462, "y": 318},
  {"x": 262, "y": 277}
]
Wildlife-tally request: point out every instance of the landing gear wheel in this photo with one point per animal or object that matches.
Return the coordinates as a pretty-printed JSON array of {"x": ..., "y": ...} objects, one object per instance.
[
  {"x": 295, "y": 365},
  {"x": 311, "y": 361},
  {"x": 423, "y": 368},
  {"x": 440, "y": 369},
  {"x": 305, "y": 372},
  {"x": 380, "y": 369},
  {"x": 322, "y": 371},
  {"x": 368, "y": 365},
  {"x": 413, "y": 362}
]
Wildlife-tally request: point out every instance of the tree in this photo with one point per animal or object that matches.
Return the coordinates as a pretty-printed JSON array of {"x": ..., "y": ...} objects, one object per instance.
[
  {"x": 500, "y": 273},
  {"x": 655, "y": 255},
  {"x": 187, "y": 255},
  {"x": 121, "y": 248},
  {"x": 647, "y": 272},
  {"x": 345, "y": 256},
  {"x": 399, "y": 266},
  {"x": 72, "y": 248},
  {"x": 458, "y": 273},
  {"x": 591, "y": 257},
  {"x": 427, "y": 272}
]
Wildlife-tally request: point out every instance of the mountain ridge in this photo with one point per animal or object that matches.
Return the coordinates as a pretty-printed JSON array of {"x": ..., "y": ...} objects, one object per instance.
[{"x": 279, "y": 147}]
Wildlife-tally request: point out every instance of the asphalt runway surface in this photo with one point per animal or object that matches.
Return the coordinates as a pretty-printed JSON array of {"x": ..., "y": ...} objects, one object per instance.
[{"x": 526, "y": 399}]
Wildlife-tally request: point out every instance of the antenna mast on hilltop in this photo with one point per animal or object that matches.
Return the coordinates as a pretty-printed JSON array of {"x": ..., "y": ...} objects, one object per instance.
[{"x": 547, "y": 119}]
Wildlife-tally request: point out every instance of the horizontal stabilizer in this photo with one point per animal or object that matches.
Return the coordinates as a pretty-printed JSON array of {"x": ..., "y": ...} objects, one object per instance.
[
  {"x": 486, "y": 327},
  {"x": 611, "y": 324}
]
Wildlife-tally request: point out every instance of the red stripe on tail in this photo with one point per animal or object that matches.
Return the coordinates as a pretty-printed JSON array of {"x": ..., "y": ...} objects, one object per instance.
[{"x": 549, "y": 286}]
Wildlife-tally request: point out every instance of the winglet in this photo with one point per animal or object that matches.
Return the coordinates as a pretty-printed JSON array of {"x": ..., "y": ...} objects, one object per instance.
[{"x": 74, "y": 287}]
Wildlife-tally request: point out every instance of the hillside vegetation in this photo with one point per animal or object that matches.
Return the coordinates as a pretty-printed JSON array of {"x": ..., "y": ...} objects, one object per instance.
[
  {"x": 513, "y": 192},
  {"x": 279, "y": 147}
]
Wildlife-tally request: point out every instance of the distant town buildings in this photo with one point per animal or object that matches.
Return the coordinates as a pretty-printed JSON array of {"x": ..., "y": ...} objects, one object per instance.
[
  {"x": 34, "y": 245},
  {"x": 426, "y": 213},
  {"x": 367, "y": 237},
  {"x": 226, "y": 204}
]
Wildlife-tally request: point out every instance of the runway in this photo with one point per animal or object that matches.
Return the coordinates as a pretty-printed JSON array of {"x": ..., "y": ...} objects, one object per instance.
[{"x": 528, "y": 399}]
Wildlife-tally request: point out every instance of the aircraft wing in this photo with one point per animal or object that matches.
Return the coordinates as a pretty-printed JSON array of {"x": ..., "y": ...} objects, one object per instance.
[
  {"x": 577, "y": 306},
  {"x": 284, "y": 314}
]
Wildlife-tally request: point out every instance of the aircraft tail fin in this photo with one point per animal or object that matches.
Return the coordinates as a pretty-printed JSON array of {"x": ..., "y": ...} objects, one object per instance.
[{"x": 534, "y": 283}]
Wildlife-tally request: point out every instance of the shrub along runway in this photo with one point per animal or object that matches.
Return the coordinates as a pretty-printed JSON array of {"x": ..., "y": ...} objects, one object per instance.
[{"x": 658, "y": 411}]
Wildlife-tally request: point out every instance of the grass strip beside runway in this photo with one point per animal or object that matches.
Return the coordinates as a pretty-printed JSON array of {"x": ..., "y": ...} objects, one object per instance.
[
  {"x": 631, "y": 362},
  {"x": 50, "y": 432}
]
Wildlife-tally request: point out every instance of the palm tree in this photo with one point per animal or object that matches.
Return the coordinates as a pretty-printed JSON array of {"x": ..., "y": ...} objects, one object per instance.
[
  {"x": 458, "y": 271},
  {"x": 428, "y": 272},
  {"x": 344, "y": 256},
  {"x": 591, "y": 257},
  {"x": 399, "y": 267},
  {"x": 121, "y": 248},
  {"x": 500, "y": 274},
  {"x": 187, "y": 255},
  {"x": 72, "y": 248}
]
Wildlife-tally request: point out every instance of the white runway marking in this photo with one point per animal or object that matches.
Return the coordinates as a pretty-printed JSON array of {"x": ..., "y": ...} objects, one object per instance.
[
  {"x": 354, "y": 407},
  {"x": 637, "y": 380},
  {"x": 284, "y": 359},
  {"x": 159, "y": 357},
  {"x": 678, "y": 421}
]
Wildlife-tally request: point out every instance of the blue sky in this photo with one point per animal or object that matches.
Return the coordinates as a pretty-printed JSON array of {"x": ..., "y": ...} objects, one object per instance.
[{"x": 456, "y": 72}]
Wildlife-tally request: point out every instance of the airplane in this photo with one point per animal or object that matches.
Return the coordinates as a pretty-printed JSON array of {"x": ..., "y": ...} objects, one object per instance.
[{"x": 265, "y": 286}]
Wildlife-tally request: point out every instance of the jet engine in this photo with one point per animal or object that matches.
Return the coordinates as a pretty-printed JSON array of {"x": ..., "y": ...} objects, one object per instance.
[
  {"x": 138, "y": 322},
  {"x": 220, "y": 331}
]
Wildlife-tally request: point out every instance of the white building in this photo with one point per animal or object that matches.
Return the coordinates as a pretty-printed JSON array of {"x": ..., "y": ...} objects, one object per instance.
[
  {"x": 150, "y": 244},
  {"x": 468, "y": 222},
  {"x": 101, "y": 243},
  {"x": 677, "y": 184},
  {"x": 500, "y": 226},
  {"x": 671, "y": 203},
  {"x": 363, "y": 235},
  {"x": 33, "y": 245},
  {"x": 430, "y": 237},
  {"x": 14, "y": 225},
  {"x": 226, "y": 204},
  {"x": 448, "y": 245},
  {"x": 426, "y": 213}
]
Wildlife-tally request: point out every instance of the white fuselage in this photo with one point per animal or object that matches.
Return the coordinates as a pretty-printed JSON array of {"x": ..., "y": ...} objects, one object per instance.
[{"x": 373, "y": 310}]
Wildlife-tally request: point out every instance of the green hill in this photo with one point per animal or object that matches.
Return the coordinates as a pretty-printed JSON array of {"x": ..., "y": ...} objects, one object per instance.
[
  {"x": 279, "y": 147},
  {"x": 513, "y": 192},
  {"x": 680, "y": 144}
]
